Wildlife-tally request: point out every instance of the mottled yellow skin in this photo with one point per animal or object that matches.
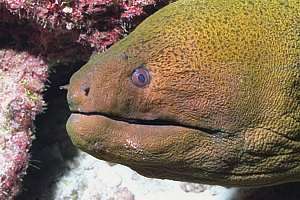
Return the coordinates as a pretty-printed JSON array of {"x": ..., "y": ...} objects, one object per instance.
[{"x": 224, "y": 73}]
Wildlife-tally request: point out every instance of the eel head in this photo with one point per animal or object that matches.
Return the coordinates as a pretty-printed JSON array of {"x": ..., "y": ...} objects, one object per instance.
[{"x": 197, "y": 100}]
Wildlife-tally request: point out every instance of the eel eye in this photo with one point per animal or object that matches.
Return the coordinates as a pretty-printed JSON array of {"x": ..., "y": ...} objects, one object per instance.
[{"x": 140, "y": 77}]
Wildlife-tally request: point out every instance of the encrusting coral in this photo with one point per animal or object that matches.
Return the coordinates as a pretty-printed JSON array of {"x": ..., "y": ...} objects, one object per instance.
[
  {"x": 36, "y": 35},
  {"x": 98, "y": 23},
  {"x": 22, "y": 77}
]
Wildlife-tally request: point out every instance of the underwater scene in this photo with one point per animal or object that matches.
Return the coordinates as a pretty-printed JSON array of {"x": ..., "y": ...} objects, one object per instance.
[{"x": 149, "y": 99}]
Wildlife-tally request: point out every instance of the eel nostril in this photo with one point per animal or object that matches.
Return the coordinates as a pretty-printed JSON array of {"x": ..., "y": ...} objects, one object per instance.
[
  {"x": 86, "y": 91},
  {"x": 85, "y": 88}
]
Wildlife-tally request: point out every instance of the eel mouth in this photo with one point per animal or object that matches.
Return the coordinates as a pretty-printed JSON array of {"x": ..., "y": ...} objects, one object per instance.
[{"x": 144, "y": 122}]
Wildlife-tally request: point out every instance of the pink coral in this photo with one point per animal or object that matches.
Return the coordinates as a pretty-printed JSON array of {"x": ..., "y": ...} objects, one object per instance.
[
  {"x": 90, "y": 18},
  {"x": 22, "y": 77},
  {"x": 36, "y": 35}
]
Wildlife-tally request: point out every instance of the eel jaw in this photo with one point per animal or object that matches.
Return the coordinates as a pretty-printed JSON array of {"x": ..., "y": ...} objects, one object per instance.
[
  {"x": 99, "y": 134},
  {"x": 166, "y": 151},
  {"x": 139, "y": 144},
  {"x": 89, "y": 128},
  {"x": 118, "y": 139}
]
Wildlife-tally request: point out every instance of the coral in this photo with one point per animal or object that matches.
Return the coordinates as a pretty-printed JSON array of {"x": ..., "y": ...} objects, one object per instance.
[
  {"x": 22, "y": 77},
  {"x": 36, "y": 35},
  {"x": 98, "y": 23}
]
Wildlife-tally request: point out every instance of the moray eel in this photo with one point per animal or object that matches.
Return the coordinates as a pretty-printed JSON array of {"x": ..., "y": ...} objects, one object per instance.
[{"x": 203, "y": 91}]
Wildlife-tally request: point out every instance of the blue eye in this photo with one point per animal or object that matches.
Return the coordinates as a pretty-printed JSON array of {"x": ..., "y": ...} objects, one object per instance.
[{"x": 140, "y": 77}]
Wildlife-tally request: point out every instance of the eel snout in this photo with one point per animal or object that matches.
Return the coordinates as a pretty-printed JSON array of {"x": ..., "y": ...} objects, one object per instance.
[{"x": 78, "y": 94}]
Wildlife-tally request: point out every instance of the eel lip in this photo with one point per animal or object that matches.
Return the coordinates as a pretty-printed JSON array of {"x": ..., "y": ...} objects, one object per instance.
[{"x": 155, "y": 122}]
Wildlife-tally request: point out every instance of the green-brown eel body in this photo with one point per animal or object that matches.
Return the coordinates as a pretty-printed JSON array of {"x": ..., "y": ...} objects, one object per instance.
[{"x": 203, "y": 91}]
